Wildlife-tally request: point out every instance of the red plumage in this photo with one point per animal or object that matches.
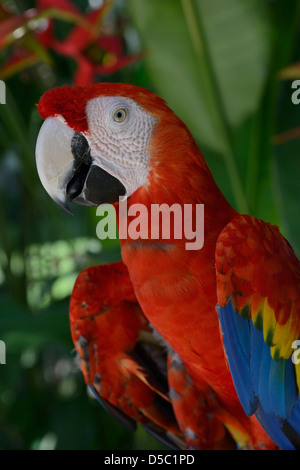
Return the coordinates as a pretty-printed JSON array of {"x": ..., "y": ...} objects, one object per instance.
[
  {"x": 127, "y": 365},
  {"x": 106, "y": 325}
]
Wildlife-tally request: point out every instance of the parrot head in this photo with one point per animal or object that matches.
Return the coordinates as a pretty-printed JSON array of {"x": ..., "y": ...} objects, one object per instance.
[{"x": 97, "y": 142}]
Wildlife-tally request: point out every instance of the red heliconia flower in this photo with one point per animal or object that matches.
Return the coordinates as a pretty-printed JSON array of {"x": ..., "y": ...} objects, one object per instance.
[
  {"x": 32, "y": 35},
  {"x": 95, "y": 53}
]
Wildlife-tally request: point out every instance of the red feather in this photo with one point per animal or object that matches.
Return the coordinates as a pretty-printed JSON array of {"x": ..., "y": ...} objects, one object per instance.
[{"x": 124, "y": 361}]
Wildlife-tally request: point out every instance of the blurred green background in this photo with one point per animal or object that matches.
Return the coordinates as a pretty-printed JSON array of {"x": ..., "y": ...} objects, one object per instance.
[{"x": 226, "y": 68}]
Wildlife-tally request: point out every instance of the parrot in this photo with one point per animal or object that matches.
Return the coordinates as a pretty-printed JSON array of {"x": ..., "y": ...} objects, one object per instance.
[
  {"x": 130, "y": 369},
  {"x": 229, "y": 310}
]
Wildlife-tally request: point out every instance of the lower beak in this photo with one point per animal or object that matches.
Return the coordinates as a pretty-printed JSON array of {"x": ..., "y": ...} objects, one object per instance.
[{"x": 67, "y": 170}]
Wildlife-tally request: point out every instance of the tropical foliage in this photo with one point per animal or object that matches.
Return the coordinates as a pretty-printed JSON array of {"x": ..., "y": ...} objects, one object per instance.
[{"x": 226, "y": 68}]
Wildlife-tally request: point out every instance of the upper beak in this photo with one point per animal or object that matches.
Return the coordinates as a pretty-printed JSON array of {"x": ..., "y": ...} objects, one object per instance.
[
  {"x": 54, "y": 159},
  {"x": 67, "y": 170}
]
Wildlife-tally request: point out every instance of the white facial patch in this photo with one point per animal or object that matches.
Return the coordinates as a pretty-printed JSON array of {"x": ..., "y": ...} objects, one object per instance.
[{"x": 119, "y": 136}]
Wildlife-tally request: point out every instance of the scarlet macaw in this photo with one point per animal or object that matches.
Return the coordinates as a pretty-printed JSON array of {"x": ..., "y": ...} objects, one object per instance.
[{"x": 104, "y": 141}]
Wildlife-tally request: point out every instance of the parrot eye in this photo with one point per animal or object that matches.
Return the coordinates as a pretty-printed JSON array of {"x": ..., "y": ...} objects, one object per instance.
[{"x": 120, "y": 115}]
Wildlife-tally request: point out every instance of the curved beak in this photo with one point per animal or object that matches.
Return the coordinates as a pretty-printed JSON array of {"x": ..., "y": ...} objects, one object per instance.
[
  {"x": 54, "y": 158},
  {"x": 67, "y": 170}
]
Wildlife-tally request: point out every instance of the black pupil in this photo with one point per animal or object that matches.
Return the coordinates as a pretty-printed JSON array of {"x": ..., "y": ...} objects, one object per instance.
[{"x": 119, "y": 114}]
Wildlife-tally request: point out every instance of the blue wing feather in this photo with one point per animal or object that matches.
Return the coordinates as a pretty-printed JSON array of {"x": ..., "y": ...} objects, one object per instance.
[
  {"x": 256, "y": 357},
  {"x": 273, "y": 428},
  {"x": 238, "y": 355},
  {"x": 264, "y": 386},
  {"x": 264, "y": 375},
  {"x": 291, "y": 426}
]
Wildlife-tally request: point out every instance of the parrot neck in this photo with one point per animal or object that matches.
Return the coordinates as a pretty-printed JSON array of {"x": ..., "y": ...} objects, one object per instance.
[{"x": 179, "y": 180}]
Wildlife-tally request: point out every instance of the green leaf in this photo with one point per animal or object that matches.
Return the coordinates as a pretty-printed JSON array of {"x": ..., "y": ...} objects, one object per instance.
[
  {"x": 191, "y": 41},
  {"x": 238, "y": 42},
  {"x": 175, "y": 68},
  {"x": 286, "y": 168},
  {"x": 209, "y": 60}
]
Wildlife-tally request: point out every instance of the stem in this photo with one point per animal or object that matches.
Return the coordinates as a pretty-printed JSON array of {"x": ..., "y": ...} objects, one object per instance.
[
  {"x": 253, "y": 161},
  {"x": 5, "y": 242},
  {"x": 14, "y": 124},
  {"x": 199, "y": 42}
]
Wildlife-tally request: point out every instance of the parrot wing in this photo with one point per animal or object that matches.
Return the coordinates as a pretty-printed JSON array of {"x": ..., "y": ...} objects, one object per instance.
[
  {"x": 121, "y": 360},
  {"x": 258, "y": 280}
]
